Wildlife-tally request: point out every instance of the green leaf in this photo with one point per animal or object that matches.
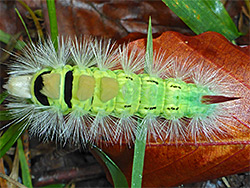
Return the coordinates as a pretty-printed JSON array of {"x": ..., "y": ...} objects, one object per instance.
[
  {"x": 5, "y": 38},
  {"x": 24, "y": 165},
  {"x": 4, "y": 116},
  {"x": 3, "y": 96},
  {"x": 54, "y": 186},
  {"x": 10, "y": 137},
  {"x": 10, "y": 47},
  {"x": 204, "y": 15},
  {"x": 118, "y": 177},
  {"x": 53, "y": 22}
]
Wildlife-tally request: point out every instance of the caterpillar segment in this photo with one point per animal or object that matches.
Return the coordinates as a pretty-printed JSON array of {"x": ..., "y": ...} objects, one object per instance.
[{"x": 82, "y": 98}]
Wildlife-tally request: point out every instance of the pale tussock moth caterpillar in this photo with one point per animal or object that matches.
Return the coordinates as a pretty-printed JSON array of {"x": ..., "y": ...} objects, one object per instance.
[{"x": 77, "y": 94}]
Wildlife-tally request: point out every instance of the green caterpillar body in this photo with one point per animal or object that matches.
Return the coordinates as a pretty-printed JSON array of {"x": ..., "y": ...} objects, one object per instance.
[
  {"x": 77, "y": 94},
  {"x": 129, "y": 94}
]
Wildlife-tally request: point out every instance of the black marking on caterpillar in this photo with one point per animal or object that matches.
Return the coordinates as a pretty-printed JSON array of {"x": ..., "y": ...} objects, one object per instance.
[
  {"x": 38, "y": 86},
  {"x": 68, "y": 88}
]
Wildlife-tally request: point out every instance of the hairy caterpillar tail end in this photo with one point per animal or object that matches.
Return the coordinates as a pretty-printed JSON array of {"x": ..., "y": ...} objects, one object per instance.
[{"x": 78, "y": 95}]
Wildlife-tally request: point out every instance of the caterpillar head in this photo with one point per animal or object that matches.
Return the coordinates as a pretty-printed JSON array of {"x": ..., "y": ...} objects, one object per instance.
[{"x": 19, "y": 86}]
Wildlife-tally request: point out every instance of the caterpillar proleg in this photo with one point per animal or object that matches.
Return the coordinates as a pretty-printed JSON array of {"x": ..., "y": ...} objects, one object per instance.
[{"x": 78, "y": 94}]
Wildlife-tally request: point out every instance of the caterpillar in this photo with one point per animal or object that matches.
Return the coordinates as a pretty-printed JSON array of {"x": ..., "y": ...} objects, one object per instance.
[{"x": 95, "y": 90}]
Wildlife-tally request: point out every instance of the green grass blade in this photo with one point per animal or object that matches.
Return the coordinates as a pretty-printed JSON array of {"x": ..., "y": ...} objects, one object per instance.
[
  {"x": 10, "y": 137},
  {"x": 149, "y": 50},
  {"x": 139, "y": 153},
  {"x": 141, "y": 135},
  {"x": 118, "y": 177},
  {"x": 204, "y": 15},
  {"x": 53, "y": 22},
  {"x": 35, "y": 19},
  {"x": 24, "y": 165},
  {"x": 5, "y": 38},
  {"x": 24, "y": 25}
]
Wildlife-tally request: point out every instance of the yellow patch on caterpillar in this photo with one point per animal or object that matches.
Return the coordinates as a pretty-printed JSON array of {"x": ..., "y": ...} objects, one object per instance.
[
  {"x": 86, "y": 87},
  {"x": 51, "y": 84},
  {"x": 109, "y": 88}
]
